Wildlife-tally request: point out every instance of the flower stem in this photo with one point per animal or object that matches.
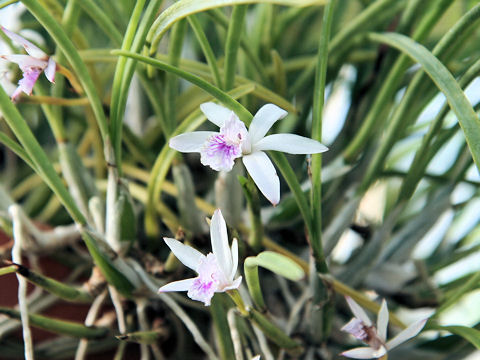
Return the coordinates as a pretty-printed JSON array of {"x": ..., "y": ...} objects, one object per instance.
[{"x": 237, "y": 299}]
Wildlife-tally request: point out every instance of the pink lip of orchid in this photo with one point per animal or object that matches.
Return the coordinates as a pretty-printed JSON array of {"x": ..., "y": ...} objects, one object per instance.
[
  {"x": 375, "y": 337},
  {"x": 216, "y": 270},
  {"x": 219, "y": 149},
  {"x": 31, "y": 65}
]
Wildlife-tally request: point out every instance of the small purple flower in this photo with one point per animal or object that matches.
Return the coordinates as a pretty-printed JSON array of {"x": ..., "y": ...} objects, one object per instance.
[
  {"x": 375, "y": 337},
  {"x": 31, "y": 65},
  {"x": 220, "y": 149},
  {"x": 216, "y": 271}
]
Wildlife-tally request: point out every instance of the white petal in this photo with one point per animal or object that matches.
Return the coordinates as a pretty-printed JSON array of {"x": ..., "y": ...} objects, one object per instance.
[
  {"x": 191, "y": 141},
  {"x": 406, "y": 334},
  {"x": 290, "y": 143},
  {"x": 365, "y": 353},
  {"x": 217, "y": 114},
  {"x": 28, "y": 46},
  {"x": 186, "y": 254},
  {"x": 234, "y": 285},
  {"x": 25, "y": 61},
  {"x": 50, "y": 70},
  {"x": 264, "y": 175},
  {"x": 234, "y": 250},
  {"x": 181, "y": 285},
  {"x": 219, "y": 237},
  {"x": 358, "y": 311},
  {"x": 382, "y": 321},
  {"x": 263, "y": 121}
]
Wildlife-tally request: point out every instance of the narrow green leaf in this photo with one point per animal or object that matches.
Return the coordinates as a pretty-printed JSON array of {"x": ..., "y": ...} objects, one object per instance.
[
  {"x": 53, "y": 286},
  {"x": 101, "y": 18},
  {"x": 378, "y": 110},
  {"x": 7, "y": 2},
  {"x": 250, "y": 268},
  {"x": 469, "y": 121},
  {"x": 41, "y": 162},
  {"x": 220, "y": 18},
  {"x": 59, "y": 326},
  {"x": 206, "y": 48},
  {"x": 222, "y": 96},
  {"x": 116, "y": 115},
  {"x": 234, "y": 35},
  {"x": 276, "y": 334},
  {"x": 280, "y": 265},
  {"x": 16, "y": 148},
  {"x": 219, "y": 317},
  {"x": 71, "y": 53},
  {"x": 171, "y": 82},
  {"x": 400, "y": 119},
  {"x": 292, "y": 181},
  {"x": 316, "y": 165},
  {"x": 468, "y": 333},
  {"x": 183, "y": 8},
  {"x": 111, "y": 273}
]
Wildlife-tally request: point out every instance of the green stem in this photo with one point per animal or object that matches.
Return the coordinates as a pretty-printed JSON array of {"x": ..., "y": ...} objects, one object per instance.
[
  {"x": 237, "y": 299},
  {"x": 8, "y": 270}
]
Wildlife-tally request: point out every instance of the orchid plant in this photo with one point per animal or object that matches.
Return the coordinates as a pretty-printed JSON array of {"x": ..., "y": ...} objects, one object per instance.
[
  {"x": 91, "y": 175},
  {"x": 362, "y": 329},
  {"x": 31, "y": 65},
  {"x": 218, "y": 150},
  {"x": 216, "y": 271}
]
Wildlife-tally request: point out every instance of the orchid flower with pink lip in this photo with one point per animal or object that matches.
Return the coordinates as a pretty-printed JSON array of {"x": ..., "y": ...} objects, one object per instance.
[
  {"x": 31, "y": 65},
  {"x": 216, "y": 270},
  {"x": 220, "y": 149},
  {"x": 375, "y": 337}
]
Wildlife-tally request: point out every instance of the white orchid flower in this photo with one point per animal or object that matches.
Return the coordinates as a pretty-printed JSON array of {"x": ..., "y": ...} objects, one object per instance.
[
  {"x": 215, "y": 271},
  {"x": 219, "y": 149},
  {"x": 31, "y": 65},
  {"x": 375, "y": 337}
]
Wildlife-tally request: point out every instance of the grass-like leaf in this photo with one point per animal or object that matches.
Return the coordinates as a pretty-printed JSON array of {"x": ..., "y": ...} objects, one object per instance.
[{"x": 446, "y": 83}]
